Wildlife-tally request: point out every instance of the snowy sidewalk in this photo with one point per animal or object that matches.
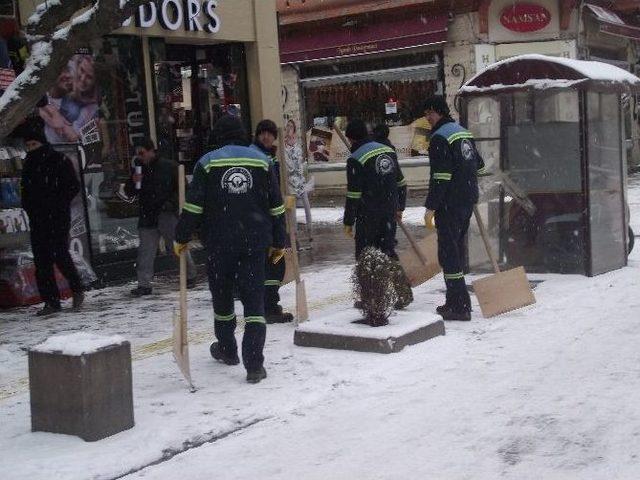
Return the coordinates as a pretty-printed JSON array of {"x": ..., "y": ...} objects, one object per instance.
[{"x": 550, "y": 391}]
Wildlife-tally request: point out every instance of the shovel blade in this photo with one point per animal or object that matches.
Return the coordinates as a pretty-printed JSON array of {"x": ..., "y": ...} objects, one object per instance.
[
  {"x": 503, "y": 292},
  {"x": 417, "y": 273}
]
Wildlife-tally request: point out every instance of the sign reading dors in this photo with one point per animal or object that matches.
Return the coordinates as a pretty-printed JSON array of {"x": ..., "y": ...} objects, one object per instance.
[
  {"x": 525, "y": 17},
  {"x": 177, "y": 14}
]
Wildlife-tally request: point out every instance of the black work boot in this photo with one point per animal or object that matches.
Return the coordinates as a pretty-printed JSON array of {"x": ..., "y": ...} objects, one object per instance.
[
  {"x": 221, "y": 356},
  {"x": 48, "y": 309},
  {"x": 455, "y": 315},
  {"x": 278, "y": 316},
  {"x": 256, "y": 376},
  {"x": 442, "y": 308},
  {"x": 78, "y": 300},
  {"x": 141, "y": 291}
]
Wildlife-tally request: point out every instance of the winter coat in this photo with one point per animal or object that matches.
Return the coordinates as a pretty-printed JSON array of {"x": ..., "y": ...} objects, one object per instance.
[
  {"x": 272, "y": 154},
  {"x": 158, "y": 192},
  {"x": 376, "y": 187},
  {"x": 235, "y": 200},
  {"x": 455, "y": 164},
  {"x": 49, "y": 184}
]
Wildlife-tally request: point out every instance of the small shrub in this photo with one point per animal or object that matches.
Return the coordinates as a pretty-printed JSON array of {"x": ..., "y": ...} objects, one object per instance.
[{"x": 373, "y": 285}]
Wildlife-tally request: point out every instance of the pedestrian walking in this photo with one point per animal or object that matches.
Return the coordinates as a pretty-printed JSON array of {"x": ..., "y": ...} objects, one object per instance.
[
  {"x": 264, "y": 141},
  {"x": 155, "y": 182},
  {"x": 49, "y": 184},
  {"x": 453, "y": 191},
  {"x": 235, "y": 201},
  {"x": 376, "y": 198}
]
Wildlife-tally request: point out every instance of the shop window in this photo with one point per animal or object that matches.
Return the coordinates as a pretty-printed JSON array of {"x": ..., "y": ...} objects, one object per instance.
[
  {"x": 193, "y": 88},
  {"x": 395, "y": 101},
  {"x": 98, "y": 103}
]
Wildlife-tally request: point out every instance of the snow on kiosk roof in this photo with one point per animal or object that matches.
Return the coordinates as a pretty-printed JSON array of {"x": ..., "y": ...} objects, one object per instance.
[{"x": 546, "y": 72}]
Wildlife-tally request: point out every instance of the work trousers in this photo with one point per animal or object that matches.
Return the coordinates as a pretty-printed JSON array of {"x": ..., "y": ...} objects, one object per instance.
[
  {"x": 274, "y": 274},
  {"x": 377, "y": 232},
  {"x": 49, "y": 249},
  {"x": 244, "y": 269},
  {"x": 148, "y": 248},
  {"x": 452, "y": 224}
]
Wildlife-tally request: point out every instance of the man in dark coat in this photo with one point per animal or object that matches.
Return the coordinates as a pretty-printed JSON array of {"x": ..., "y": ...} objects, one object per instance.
[
  {"x": 264, "y": 141},
  {"x": 158, "y": 203},
  {"x": 453, "y": 191},
  {"x": 49, "y": 184},
  {"x": 235, "y": 200},
  {"x": 376, "y": 198}
]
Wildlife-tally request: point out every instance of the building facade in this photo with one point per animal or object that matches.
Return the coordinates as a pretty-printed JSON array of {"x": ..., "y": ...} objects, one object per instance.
[
  {"x": 338, "y": 55},
  {"x": 169, "y": 73}
]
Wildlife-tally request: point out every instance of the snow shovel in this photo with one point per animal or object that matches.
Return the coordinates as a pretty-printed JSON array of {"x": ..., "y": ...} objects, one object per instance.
[
  {"x": 503, "y": 291},
  {"x": 420, "y": 262},
  {"x": 180, "y": 335},
  {"x": 302, "y": 312}
]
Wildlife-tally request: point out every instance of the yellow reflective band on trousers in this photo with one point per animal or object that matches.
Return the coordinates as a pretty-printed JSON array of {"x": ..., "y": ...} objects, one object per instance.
[
  {"x": 224, "y": 318},
  {"x": 255, "y": 320},
  {"x": 192, "y": 208},
  {"x": 454, "y": 276},
  {"x": 402, "y": 183},
  {"x": 277, "y": 211},
  {"x": 354, "y": 195},
  {"x": 272, "y": 283},
  {"x": 236, "y": 162}
]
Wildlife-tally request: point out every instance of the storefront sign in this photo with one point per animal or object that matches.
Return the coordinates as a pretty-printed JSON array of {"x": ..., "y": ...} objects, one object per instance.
[
  {"x": 525, "y": 17},
  {"x": 175, "y": 14}
]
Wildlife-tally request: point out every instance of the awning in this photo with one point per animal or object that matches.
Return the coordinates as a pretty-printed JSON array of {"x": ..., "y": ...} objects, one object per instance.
[
  {"x": 319, "y": 43},
  {"x": 612, "y": 24}
]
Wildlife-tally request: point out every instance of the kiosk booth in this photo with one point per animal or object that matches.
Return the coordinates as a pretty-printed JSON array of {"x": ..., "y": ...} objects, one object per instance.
[{"x": 551, "y": 132}]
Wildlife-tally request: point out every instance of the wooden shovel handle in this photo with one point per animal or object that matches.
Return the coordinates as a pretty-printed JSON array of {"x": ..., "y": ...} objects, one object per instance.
[
  {"x": 413, "y": 243},
  {"x": 290, "y": 214},
  {"x": 344, "y": 139},
  {"x": 485, "y": 239}
]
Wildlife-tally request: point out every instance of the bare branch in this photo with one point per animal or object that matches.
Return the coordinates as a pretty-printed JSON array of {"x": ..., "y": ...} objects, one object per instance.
[{"x": 50, "y": 15}]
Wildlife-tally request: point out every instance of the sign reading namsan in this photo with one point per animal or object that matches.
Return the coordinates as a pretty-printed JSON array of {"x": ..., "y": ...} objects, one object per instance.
[
  {"x": 175, "y": 14},
  {"x": 525, "y": 17}
]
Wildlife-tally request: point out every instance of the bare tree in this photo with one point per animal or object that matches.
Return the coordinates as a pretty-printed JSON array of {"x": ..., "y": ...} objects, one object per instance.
[{"x": 55, "y": 31}]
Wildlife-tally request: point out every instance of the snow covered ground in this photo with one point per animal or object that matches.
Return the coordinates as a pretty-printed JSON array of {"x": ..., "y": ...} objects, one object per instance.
[{"x": 551, "y": 391}]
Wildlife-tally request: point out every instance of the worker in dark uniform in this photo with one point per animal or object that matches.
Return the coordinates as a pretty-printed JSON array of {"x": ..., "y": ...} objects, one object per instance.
[
  {"x": 376, "y": 197},
  {"x": 453, "y": 191},
  {"x": 235, "y": 200},
  {"x": 264, "y": 141}
]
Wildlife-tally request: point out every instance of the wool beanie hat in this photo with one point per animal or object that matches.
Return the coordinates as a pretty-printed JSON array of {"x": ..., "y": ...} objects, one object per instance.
[
  {"x": 229, "y": 130},
  {"x": 33, "y": 130},
  {"x": 356, "y": 130}
]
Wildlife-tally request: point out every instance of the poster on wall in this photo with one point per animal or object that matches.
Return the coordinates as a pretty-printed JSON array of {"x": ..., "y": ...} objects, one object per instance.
[
  {"x": 73, "y": 101},
  {"x": 319, "y": 146}
]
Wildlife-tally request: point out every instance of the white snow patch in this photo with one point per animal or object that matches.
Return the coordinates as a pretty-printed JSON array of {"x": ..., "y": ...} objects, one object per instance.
[
  {"x": 589, "y": 69},
  {"x": 78, "y": 343},
  {"x": 341, "y": 323},
  {"x": 39, "y": 58}
]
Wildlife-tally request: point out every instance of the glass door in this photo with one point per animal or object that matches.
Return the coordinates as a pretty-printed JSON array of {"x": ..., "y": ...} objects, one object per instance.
[{"x": 607, "y": 234}]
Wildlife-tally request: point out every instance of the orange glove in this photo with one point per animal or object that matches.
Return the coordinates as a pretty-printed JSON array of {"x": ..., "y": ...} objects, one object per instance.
[
  {"x": 430, "y": 219},
  {"x": 276, "y": 254},
  {"x": 179, "y": 248},
  {"x": 348, "y": 231}
]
